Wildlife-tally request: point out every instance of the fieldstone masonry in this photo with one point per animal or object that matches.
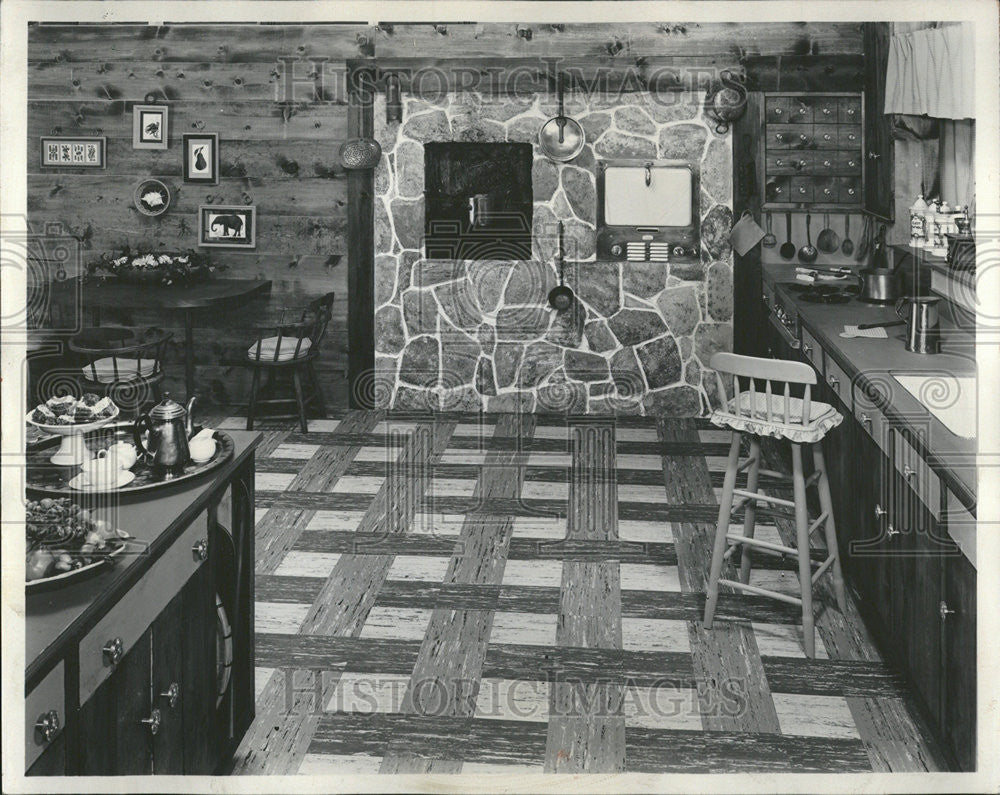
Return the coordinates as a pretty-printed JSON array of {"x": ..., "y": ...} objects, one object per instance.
[{"x": 463, "y": 335}]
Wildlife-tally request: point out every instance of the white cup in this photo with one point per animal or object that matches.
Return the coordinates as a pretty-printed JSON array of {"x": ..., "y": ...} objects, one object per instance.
[
  {"x": 101, "y": 471},
  {"x": 124, "y": 454}
]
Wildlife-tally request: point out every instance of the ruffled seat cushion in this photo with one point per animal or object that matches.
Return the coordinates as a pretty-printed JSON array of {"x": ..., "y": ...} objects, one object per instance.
[
  {"x": 128, "y": 369},
  {"x": 286, "y": 351},
  {"x": 822, "y": 417}
]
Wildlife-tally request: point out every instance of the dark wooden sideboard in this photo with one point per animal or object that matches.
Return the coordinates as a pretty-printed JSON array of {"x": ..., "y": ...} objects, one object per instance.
[{"x": 147, "y": 668}]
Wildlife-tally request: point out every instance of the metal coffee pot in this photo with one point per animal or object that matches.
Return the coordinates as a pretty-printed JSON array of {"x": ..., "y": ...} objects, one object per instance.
[
  {"x": 169, "y": 428},
  {"x": 922, "y": 333}
]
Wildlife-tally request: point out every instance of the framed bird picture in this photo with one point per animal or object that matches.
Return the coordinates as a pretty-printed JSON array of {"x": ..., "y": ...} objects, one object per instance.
[
  {"x": 149, "y": 126},
  {"x": 201, "y": 158}
]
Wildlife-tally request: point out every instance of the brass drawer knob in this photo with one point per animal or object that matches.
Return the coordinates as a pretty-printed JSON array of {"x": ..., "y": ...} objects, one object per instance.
[
  {"x": 908, "y": 471},
  {"x": 200, "y": 549},
  {"x": 891, "y": 531},
  {"x": 806, "y": 348},
  {"x": 833, "y": 381},
  {"x": 153, "y": 721},
  {"x": 114, "y": 650},
  {"x": 827, "y": 137},
  {"x": 172, "y": 694},
  {"x": 803, "y": 137},
  {"x": 874, "y": 155},
  {"x": 866, "y": 420},
  {"x": 47, "y": 725},
  {"x": 944, "y": 610},
  {"x": 828, "y": 163},
  {"x": 777, "y": 111},
  {"x": 879, "y": 512}
]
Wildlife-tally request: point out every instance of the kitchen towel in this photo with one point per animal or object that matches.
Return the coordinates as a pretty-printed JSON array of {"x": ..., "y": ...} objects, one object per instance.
[
  {"x": 746, "y": 234},
  {"x": 871, "y": 333}
]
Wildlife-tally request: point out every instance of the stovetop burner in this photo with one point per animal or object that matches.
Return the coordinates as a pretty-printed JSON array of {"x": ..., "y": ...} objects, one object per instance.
[{"x": 824, "y": 293}]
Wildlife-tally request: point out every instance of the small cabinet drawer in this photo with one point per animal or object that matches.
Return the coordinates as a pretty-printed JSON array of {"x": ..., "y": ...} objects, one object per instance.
[
  {"x": 825, "y": 110},
  {"x": 825, "y": 190},
  {"x": 776, "y": 110},
  {"x": 44, "y": 714},
  {"x": 849, "y": 137},
  {"x": 781, "y": 136},
  {"x": 849, "y": 110},
  {"x": 847, "y": 162},
  {"x": 811, "y": 350},
  {"x": 112, "y": 637},
  {"x": 789, "y": 162},
  {"x": 849, "y": 190},
  {"x": 800, "y": 110},
  {"x": 838, "y": 381},
  {"x": 827, "y": 136},
  {"x": 777, "y": 189},
  {"x": 801, "y": 189}
]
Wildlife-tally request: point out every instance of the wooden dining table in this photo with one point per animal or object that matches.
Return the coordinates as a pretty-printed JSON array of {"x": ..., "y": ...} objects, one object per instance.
[{"x": 96, "y": 295}]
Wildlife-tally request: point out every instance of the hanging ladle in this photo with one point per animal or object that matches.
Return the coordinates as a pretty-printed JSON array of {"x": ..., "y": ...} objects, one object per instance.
[
  {"x": 847, "y": 247},
  {"x": 560, "y": 296},
  {"x": 808, "y": 253},
  {"x": 769, "y": 240},
  {"x": 787, "y": 249}
]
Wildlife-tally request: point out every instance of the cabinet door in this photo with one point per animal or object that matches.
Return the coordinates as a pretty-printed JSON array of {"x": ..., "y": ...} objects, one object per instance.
[
  {"x": 959, "y": 696},
  {"x": 199, "y": 693},
  {"x": 113, "y": 738},
  {"x": 878, "y": 170},
  {"x": 170, "y": 636}
]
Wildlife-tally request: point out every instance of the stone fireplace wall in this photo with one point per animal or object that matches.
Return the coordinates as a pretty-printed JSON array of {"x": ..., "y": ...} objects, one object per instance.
[{"x": 480, "y": 335}]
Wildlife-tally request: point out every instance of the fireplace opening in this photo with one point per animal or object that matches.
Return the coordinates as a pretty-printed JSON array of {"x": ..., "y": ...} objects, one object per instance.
[{"x": 478, "y": 201}]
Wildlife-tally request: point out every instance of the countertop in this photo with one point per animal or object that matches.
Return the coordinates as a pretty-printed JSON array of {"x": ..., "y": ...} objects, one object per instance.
[
  {"x": 54, "y": 616},
  {"x": 874, "y": 360}
]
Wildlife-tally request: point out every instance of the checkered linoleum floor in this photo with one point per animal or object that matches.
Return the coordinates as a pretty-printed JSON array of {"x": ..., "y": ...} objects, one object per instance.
[{"x": 523, "y": 595}]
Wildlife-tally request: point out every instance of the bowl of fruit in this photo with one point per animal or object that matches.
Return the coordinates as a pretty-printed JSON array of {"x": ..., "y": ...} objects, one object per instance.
[
  {"x": 71, "y": 418},
  {"x": 65, "y": 541}
]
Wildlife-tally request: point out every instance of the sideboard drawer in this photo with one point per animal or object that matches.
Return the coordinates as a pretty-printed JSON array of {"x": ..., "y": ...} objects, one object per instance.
[
  {"x": 44, "y": 714},
  {"x": 124, "y": 624}
]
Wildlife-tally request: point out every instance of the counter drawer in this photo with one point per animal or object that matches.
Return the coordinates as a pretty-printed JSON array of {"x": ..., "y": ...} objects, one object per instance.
[
  {"x": 125, "y": 623},
  {"x": 869, "y": 415},
  {"x": 44, "y": 714},
  {"x": 789, "y": 162},
  {"x": 918, "y": 475},
  {"x": 838, "y": 381},
  {"x": 812, "y": 351}
]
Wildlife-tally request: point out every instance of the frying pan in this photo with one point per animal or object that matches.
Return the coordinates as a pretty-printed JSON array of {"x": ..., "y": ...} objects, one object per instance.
[
  {"x": 561, "y": 138},
  {"x": 787, "y": 249},
  {"x": 560, "y": 296}
]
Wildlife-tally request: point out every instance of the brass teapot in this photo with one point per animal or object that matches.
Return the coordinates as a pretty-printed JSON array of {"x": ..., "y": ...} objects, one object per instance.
[{"x": 169, "y": 428}]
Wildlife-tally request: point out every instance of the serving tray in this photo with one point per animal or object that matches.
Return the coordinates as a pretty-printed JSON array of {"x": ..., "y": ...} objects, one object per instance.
[{"x": 43, "y": 477}]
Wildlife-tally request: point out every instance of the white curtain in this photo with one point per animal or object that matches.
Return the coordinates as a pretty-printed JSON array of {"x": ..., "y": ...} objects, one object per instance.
[{"x": 932, "y": 72}]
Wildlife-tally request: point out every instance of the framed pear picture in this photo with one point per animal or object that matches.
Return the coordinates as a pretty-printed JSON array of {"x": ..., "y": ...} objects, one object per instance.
[{"x": 201, "y": 158}]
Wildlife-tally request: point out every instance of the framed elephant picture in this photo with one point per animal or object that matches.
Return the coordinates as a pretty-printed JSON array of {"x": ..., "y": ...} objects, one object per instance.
[{"x": 227, "y": 227}]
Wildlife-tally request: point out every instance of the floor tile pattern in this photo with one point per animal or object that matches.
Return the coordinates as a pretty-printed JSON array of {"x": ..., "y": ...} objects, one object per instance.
[{"x": 502, "y": 594}]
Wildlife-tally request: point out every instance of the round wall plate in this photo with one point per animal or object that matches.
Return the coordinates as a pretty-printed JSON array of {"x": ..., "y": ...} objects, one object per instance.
[{"x": 152, "y": 197}]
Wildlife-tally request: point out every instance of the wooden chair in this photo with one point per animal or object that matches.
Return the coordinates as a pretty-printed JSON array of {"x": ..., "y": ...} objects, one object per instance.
[
  {"x": 802, "y": 421},
  {"x": 291, "y": 347},
  {"x": 130, "y": 373}
]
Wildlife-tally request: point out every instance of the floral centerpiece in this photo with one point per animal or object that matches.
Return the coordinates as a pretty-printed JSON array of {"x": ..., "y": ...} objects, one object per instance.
[{"x": 148, "y": 267}]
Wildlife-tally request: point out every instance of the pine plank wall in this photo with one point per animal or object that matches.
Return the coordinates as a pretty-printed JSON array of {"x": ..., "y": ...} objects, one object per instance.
[{"x": 278, "y": 151}]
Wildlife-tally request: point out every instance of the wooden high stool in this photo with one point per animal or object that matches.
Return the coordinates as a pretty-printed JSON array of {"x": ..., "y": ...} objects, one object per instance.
[{"x": 802, "y": 421}]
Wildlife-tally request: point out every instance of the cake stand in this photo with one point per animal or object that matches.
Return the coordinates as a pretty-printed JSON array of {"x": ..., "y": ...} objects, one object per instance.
[{"x": 72, "y": 450}]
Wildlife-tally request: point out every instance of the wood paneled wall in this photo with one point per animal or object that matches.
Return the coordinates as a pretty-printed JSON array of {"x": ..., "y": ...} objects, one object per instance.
[
  {"x": 278, "y": 150},
  {"x": 279, "y": 139}
]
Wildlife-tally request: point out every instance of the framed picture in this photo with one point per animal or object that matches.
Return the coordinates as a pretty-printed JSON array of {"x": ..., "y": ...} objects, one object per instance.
[
  {"x": 149, "y": 126},
  {"x": 78, "y": 152},
  {"x": 227, "y": 226},
  {"x": 201, "y": 158}
]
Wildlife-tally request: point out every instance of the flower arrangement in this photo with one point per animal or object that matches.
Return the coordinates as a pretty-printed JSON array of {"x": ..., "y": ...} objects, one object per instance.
[{"x": 167, "y": 268}]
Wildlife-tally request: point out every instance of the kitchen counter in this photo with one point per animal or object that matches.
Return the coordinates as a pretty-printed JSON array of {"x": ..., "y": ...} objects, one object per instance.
[{"x": 871, "y": 363}]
